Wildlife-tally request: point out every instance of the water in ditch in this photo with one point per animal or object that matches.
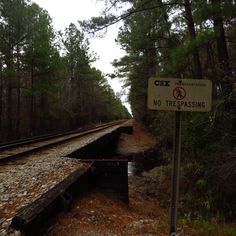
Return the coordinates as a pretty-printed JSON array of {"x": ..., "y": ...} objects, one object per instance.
[{"x": 143, "y": 162}]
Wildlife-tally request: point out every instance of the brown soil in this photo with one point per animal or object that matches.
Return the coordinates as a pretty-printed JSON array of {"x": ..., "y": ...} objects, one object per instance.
[
  {"x": 140, "y": 141},
  {"x": 102, "y": 214}
]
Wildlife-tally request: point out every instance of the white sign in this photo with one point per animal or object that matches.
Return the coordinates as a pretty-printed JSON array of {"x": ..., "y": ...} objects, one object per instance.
[{"x": 179, "y": 94}]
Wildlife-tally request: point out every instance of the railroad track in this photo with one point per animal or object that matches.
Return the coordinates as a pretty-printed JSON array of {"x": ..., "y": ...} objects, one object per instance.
[
  {"x": 14, "y": 150},
  {"x": 42, "y": 174}
]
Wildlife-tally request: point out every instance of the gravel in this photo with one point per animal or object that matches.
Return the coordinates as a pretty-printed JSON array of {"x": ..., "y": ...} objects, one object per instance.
[{"x": 25, "y": 180}]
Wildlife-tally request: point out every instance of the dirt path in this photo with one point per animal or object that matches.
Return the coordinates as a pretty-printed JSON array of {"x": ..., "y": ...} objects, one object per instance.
[{"x": 140, "y": 141}]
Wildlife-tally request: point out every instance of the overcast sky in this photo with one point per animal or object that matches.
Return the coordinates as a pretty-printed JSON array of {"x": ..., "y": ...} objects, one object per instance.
[{"x": 64, "y": 12}]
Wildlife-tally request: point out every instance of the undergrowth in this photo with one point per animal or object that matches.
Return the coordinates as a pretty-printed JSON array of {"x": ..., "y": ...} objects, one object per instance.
[{"x": 207, "y": 195}]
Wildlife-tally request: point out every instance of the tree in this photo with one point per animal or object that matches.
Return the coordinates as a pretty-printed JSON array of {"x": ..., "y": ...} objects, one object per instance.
[
  {"x": 12, "y": 30},
  {"x": 222, "y": 51},
  {"x": 77, "y": 60},
  {"x": 40, "y": 62}
]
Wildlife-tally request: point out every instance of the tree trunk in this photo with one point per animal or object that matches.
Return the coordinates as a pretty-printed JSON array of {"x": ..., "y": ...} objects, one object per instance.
[
  {"x": 1, "y": 102},
  {"x": 32, "y": 104},
  {"x": 192, "y": 34},
  {"x": 9, "y": 97},
  {"x": 44, "y": 122},
  {"x": 18, "y": 109},
  {"x": 223, "y": 67},
  {"x": 9, "y": 111}
]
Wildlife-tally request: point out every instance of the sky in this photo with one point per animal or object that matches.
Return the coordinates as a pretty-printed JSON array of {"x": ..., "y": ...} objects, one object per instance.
[{"x": 64, "y": 12}]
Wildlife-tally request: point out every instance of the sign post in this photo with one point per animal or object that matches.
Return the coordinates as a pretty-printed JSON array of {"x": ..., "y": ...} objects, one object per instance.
[
  {"x": 178, "y": 95},
  {"x": 175, "y": 173}
]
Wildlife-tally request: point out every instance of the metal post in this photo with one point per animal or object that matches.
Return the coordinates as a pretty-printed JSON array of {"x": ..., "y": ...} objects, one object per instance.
[{"x": 175, "y": 174}]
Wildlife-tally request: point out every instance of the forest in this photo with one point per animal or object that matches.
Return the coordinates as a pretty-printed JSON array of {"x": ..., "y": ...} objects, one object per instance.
[
  {"x": 191, "y": 40},
  {"x": 47, "y": 83}
]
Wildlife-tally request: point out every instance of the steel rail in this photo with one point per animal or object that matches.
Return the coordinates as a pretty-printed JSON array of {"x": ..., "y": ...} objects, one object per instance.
[
  {"x": 21, "y": 142},
  {"x": 51, "y": 144}
]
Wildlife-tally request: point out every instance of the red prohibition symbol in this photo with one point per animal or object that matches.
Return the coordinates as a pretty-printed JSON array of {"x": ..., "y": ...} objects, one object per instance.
[{"x": 179, "y": 93}]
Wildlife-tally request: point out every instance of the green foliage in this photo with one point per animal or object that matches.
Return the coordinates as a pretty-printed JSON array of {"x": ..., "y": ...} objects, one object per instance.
[
  {"x": 209, "y": 227},
  {"x": 213, "y": 129},
  {"x": 98, "y": 23},
  {"x": 181, "y": 54}
]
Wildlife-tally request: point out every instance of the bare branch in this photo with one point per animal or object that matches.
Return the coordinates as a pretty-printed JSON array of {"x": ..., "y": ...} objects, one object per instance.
[{"x": 130, "y": 13}]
